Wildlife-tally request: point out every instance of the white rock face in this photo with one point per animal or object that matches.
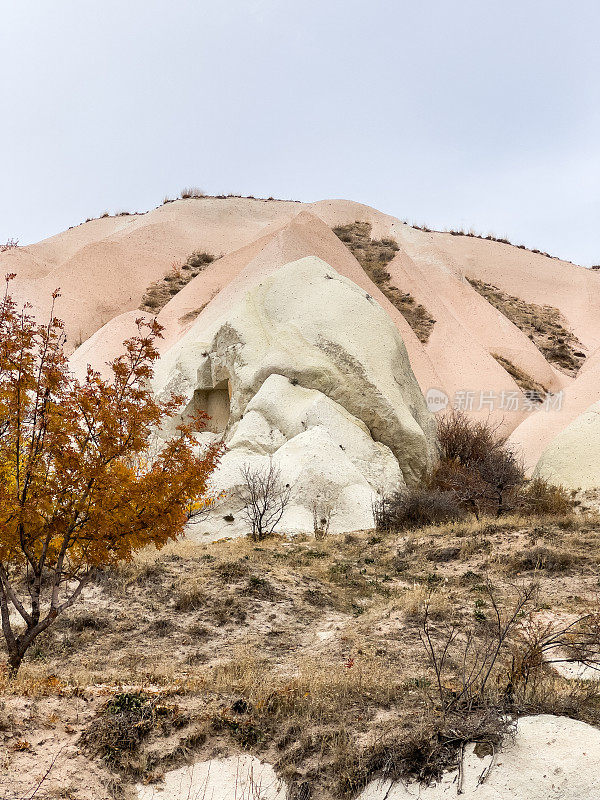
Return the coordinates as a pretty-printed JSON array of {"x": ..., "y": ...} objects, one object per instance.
[
  {"x": 551, "y": 758},
  {"x": 238, "y": 778},
  {"x": 572, "y": 459},
  {"x": 319, "y": 381}
]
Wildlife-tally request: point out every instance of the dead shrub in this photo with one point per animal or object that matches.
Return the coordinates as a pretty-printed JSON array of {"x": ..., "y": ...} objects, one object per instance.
[
  {"x": 477, "y": 466},
  {"x": 549, "y": 559},
  {"x": 444, "y": 554},
  {"x": 197, "y": 261},
  {"x": 264, "y": 498},
  {"x": 190, "y": 593},
  {"x": 416, "y": 508},
  {"x": 191, "y": 192},
  {"x": 540, "y": 497},
  {"x": 116, "y": 733},
  {"x": 87, "y": 621},
  {"x": 260, "y": 587},
  {"x": 226, "y": 610},
  {"x": 232, "y": 570},
  {"x": 424, "y": 748}
]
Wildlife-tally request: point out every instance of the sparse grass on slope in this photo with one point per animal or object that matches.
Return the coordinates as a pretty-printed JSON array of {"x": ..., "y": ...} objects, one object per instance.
[
  {"x": 532, "y": 388},
  {"x": 544, "y": 325},
  {"x": 308, "y": 653},
  {"x": 158, "y": 294},
  {"x": 373, "y": 255}
]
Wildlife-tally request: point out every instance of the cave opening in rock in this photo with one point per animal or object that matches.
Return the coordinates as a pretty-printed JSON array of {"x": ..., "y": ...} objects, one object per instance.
[{"x": 215, "y": 403}]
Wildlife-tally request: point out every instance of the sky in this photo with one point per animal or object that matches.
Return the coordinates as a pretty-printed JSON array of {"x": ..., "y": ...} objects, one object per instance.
[{"x": 473, "y": 114}]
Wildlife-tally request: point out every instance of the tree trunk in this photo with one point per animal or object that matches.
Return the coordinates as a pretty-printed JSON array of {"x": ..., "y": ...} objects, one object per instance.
[{"x": 14, "y": 662}]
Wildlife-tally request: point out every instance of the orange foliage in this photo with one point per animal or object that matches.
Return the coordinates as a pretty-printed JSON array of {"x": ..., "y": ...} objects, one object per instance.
[{"x": 85, "y": 479}]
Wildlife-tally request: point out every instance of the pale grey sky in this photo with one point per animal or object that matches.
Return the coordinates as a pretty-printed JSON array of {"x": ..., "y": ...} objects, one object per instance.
[{"x": 464, "y": 113}]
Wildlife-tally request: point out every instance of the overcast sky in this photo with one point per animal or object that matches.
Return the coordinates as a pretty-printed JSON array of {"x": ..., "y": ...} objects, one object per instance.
[{"x": 467, "y": 113}]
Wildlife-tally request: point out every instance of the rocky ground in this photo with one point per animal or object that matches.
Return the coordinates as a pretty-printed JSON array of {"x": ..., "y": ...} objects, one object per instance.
[{"x": 306, "y": 653}]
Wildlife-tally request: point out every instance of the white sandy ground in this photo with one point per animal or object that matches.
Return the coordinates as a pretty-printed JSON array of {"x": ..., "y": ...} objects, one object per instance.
[
  {"x": 550, "y": 758},
  {"x": 241, "y": 777}
]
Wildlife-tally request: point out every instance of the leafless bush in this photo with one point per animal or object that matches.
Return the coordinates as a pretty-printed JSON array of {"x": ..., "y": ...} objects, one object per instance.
[
  {"x": 497, "y": 661},
  {"x": 477, "y": 465},
  {"x": 540, "y": 497},
  {"x": 558, "y": 641},
  {"x": 415, "y": 508},
  {"x": 477, "y": 650},
  {"x": 264, "y": 497},
  {"x": 191, "y": 191},
  {"x": 10, "y": 244}
]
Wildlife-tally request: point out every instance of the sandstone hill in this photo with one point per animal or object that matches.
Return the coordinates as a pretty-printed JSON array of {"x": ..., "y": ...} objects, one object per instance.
[
  {"x": 341, "y": 313},
  {"x": 323, "y": 338}
]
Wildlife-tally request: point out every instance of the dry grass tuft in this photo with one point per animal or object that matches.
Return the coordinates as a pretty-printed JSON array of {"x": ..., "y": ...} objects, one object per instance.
[
  {"x": 191, "y": 192},
  {"x": 373, "y": 255},
  {"x": 158, "y": 294},
  {"x": 544, "y": 325},
  {"x": 534, "y": 390}
]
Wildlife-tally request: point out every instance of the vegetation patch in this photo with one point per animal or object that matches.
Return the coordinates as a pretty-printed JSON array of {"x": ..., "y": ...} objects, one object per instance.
[
  {"x": 544, "y": 325},
  {"x": 10, "y": 244},
  {"x": 158, "y": 294},
  {"x": 329, "y": 662},
  {"x": 478, "y": 473},
  {"x": 373, "y": 255},
  {"x": 532, "y": 389},
  {"x": 117, "y": 732}
]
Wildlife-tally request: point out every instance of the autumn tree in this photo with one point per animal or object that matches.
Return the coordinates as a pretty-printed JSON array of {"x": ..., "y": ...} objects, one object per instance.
[{"x": 85, "y": 478}]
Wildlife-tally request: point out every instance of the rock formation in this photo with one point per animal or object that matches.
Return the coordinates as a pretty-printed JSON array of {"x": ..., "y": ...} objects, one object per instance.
[
  {"x": 480, "y": 355},
  {"x": 572, "y": 459},
  {"x": 305, "y": 368}
]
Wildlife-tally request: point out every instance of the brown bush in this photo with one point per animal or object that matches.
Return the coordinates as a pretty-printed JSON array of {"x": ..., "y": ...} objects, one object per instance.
[
  {"x": 477, "y": 466},
  {"x": 415, "y": 508},
  {"x": 190, "y": 192},
  {"x": 550, "y": 559},
  {"x": 540, "y": 497}
]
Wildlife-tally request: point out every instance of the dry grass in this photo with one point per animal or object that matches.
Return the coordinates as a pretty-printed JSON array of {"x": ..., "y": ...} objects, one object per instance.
[
  {"x": 532, "y": 388},
  {"x": 191, "y": 192},
  {"x": 490, "y": 237},
  {"x": 544, "y": 325},
  {"x": 304, "y": 652},
  {"x": 373, "y": 255},
  {"x": 158, "y": 294}
]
